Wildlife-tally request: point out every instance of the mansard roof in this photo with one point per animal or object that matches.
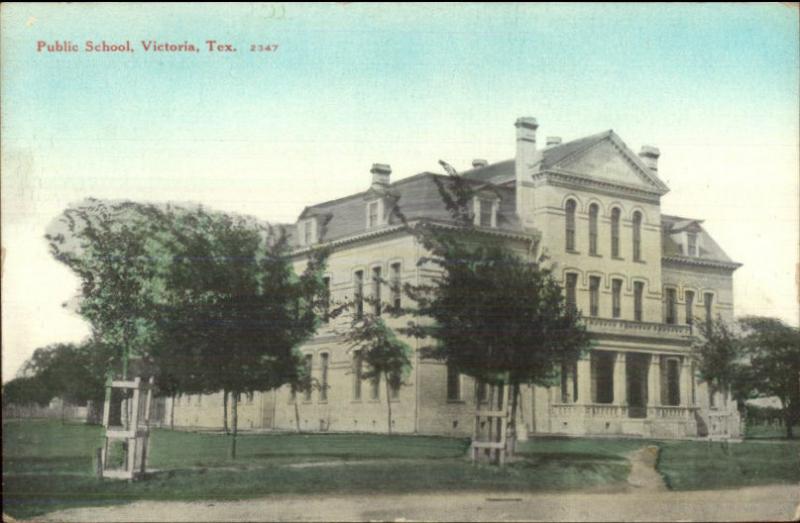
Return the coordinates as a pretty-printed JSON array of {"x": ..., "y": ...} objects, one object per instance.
[
  {"x": 417, "y": 197},
  {"x": 709, "y": 252}
]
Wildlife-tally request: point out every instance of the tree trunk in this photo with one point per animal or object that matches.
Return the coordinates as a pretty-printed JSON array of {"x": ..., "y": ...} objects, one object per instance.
[
  {"x": 234, "y": 422},
  {"x": 388, "y": 403},
  {"x": 296, "y": 415},
  {"x": 225, "y": 410},
  {"x": 172, "y": 414},
  {"x": 512, "y": 422}
]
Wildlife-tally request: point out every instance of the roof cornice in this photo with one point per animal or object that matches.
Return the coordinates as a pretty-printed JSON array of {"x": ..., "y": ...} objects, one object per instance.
[
  {"x": 574, "y": 180},
  {"x": 701, "y": 262}
]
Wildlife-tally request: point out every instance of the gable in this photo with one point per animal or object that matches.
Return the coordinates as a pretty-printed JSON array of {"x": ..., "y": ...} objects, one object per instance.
[{"x": 607, "y": 161}]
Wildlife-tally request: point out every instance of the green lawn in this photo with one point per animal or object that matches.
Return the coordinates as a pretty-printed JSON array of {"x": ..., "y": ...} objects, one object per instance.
[
  {"x": 48, "y": 466},
  {"x": 769, "y": 432},
  {"x": 690, "y": 465}
]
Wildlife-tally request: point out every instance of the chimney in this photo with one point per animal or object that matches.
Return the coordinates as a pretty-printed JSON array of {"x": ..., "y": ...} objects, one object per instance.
[
  {"x": 380, "y": 175},
  {"x": 526, "y": 156},
  {"x": 552, "y": 141},
  {"x": 649, "y": 155},
  {"x": 477, "y": 163}
]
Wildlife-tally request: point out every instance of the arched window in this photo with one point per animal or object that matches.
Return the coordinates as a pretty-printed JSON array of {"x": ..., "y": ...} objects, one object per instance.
[
  {"x": 615, "y": 213},
  {"x": 637, "y": 236},
  {"x": 593, "y": 210},
  {"x": 570, "y": 211}
]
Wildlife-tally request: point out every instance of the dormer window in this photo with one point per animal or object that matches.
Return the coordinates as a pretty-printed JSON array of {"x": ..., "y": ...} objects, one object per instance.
[
  {"x": 308, "y": 232},
  {"x": 374, "y": 213},
  {"x": 485, "y": 210},
  {"x": 691, "y": 241}
]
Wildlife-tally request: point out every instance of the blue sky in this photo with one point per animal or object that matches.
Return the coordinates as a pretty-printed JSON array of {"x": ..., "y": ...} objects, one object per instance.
[{"x": 714, "y": 86}]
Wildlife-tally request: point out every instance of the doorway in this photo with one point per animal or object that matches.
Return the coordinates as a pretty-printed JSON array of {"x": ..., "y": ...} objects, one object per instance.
[{"x": 636, "y": 367}]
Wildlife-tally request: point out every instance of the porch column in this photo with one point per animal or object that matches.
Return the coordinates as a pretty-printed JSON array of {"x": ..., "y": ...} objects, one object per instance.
[
  {"x": 620, "y": 380},
  {"x": 585, "y": 380},
  {"x": 654, "y": 381},
  {"x": 686, "y": 382}
]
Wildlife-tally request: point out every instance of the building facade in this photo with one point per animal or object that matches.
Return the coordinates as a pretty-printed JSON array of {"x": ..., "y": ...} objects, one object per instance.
[{"x": 643, "y": 280}]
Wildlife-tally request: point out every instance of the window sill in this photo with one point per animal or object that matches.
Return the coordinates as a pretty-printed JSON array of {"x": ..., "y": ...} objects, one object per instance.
[
  {"x": 640, "y": 261},
  {"x": 618, "y": 258},
  {"x": 457, "y": 402},
  {"x": 572, "y": 251},
  {"x": 595, "y": 255}
]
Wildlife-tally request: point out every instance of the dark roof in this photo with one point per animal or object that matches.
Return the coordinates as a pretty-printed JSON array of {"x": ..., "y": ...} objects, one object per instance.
[
  {"x": 709, "y": 249},
  {"x": 417, "y": 197}
]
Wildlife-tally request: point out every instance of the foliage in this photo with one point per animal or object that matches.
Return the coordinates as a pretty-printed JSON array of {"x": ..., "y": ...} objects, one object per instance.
[
  {"x": 383, "y": 354},
  {"x": 107, "y": 246},
  {"x": 27, "y": 390},
  {"x": 721, "y": 360},
  {"x": 774, "y": 352},
  {"x": 493, "y": 313}
]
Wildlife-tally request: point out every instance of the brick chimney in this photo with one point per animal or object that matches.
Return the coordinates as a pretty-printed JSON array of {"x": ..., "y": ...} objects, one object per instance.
[
  {"x": 381, "y": 173},
  {"x": 525, "y": 158},
  {"x": 649, "y": 155}
]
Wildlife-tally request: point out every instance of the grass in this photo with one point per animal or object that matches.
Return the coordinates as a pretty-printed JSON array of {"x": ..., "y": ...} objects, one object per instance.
[
  {"x": 769, "y": 432},
  {"x": 692, "y": 465},
  {"x": 48, "y": 466}
]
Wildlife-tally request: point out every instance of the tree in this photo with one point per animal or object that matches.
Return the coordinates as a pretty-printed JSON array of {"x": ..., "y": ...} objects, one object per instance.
[
  {"x": 384, "y": 354},
  {"x": 27, "y": 390},
  {"x": 774, "y": 352},
  {"x": 719, "y": 358},
  {"x": 492, "y": 313},
  {"x": 235, "y": 309}
]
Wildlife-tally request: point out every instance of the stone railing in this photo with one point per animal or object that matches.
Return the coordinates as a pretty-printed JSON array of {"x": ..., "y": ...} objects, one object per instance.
[
  {"x": 638, "y": 328},
  {"x": 670, "y": 412}
]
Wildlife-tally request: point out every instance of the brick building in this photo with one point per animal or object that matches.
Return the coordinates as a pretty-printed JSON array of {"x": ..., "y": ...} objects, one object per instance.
[{"x": 643, "y": 280}]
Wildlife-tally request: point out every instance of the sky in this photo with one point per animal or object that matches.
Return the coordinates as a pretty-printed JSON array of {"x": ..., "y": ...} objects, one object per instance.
[{"x": 715, "y": 87}]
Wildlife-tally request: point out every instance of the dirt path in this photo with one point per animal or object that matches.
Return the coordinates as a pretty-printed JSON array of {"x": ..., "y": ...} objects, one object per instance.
[
  {"x": 644, "y": 477},
  {"x": 773, "y": 503}
]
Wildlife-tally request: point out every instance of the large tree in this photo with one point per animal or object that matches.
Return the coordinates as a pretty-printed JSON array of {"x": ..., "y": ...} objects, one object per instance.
[
  {"x": 236, "y": 310},
  {"x": 491, "y": 312},
  {"x": 774, "y": 352}
]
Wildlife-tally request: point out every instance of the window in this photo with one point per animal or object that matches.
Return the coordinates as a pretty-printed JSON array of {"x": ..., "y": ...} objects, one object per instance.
[
  {"x": 358, "y": 363},
  {"x": 572, "y": 283},
  {"x": 602, "y": 368},
  {"x": 309, "y": 358},
  {"x": 637, "y": 236},
  {"x": 394, "y": 390},
  {"x": 326, "y": 299},
  {"x": 373, "y": 214},
  {"x": 375, "y": 388},
  {"x": 358, "y": 293},
  {"x": 569, "y": 383},
  {"x": 199, "y": 399},
  {"x": 638, "y": 291},
  {"x": 376, "y": 290},
  {"x": 481, "y": 393},
  {"x": 486, "y": 212},
  {"x": 323, "y": 382},
  {"x": 672, "y": 381},
  {"x": 308, "y": 229},
  {"x": 594, "y": 295},
  {"x": 593, "y": 210},
  {"x": 570, "y": 210},
  {"x": 616, "y": 295},
  {"x": 708, "y": 299},
  {"x": 691, "y": 240},
  {"x": 396, "y": 286},
  {"x": 689, "y": 307},
  {"x": 615, "y": 214},
  {"x": 670, "y": 306},
  {"x": 453, "y": 384}
]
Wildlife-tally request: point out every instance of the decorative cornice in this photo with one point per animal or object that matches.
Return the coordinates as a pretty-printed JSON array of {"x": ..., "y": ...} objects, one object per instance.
[
  {"x": 701, "y": 262},
  {"x": 573, "y": 180},
  {"x": 534, "y": 234}
]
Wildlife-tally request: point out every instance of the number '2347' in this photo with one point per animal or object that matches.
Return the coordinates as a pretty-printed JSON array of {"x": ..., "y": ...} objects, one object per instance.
[{"x": 263, "y": 48}]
